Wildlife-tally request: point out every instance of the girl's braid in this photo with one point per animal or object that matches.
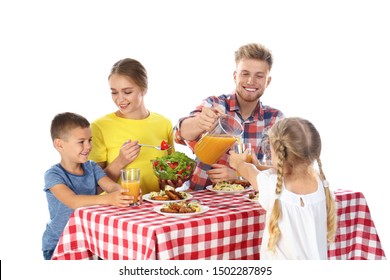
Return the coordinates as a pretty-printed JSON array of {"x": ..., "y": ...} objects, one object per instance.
[{"x": 273, "y": 227}]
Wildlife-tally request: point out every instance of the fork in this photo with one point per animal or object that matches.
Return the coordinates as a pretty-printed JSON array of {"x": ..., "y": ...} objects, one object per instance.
[{"x": 151, "y": 146}]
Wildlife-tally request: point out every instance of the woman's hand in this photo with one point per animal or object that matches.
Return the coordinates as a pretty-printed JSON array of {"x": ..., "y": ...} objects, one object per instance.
[
  {"x": 172, "y": 183},
  {"x": 128, "y": 152}
]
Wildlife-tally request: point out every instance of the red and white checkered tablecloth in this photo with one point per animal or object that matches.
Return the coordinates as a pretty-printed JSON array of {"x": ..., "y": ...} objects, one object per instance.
[
  {"x": 356, "y": 236},
  {"x": 141, "y": 233},
  {"x": 220, "y": 233}
]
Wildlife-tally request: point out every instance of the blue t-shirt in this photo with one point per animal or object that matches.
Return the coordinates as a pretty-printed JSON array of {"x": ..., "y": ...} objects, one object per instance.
[{"x": 85, "y": 184}]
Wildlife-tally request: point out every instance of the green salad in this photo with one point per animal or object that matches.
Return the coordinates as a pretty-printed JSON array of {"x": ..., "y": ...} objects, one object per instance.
[{"x": 177, "y": 166}]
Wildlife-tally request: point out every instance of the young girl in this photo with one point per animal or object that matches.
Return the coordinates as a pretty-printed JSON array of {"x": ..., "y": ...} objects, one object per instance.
[{"x": 301, "y": 215}]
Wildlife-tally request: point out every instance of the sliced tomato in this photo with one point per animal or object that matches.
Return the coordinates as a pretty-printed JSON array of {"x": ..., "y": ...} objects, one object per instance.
[
  {"x": 173, "y": 165},
  {"x": 164, "y": 145}
]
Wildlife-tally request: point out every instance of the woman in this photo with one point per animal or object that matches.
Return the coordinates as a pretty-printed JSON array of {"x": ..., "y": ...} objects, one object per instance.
[{"x": 116, "y": 136}]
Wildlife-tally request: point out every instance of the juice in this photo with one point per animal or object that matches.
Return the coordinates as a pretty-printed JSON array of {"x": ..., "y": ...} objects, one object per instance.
[
  {"x": 132, "y": 188},
  {"x": 211, "y": 148},
  {"x": 240, "y": 148},
  {"x": 248, "y": 158}
]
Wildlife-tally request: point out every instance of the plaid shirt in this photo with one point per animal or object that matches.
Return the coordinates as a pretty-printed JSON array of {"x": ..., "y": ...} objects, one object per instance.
[{"x": 255, "y": 129}]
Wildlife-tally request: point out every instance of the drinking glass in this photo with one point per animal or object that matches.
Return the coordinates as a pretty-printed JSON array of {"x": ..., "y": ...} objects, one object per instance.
[
  {"x": 266, "y": 160},
  {"x": 266, "y": 150},
  {"x": 240, "y": 147},
  {"x": 130, "y": 181}
]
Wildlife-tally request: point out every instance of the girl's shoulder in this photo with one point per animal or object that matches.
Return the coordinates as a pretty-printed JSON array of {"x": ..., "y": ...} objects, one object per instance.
[{"x": 269, "y": 172}]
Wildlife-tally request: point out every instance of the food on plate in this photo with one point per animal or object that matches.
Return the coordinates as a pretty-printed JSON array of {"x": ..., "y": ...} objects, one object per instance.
[
  {"x": 243, "y": 183},
  {"x": 177, "y": 166},
  {"x": 236, "y": 185},
  {"x": 168, "y": 194},
  {"x": 253, "y": 196},
  {"x": 225, "y": 186},
  {"x": 173, "y": 195},
  {"x": 180, "y": 207}
]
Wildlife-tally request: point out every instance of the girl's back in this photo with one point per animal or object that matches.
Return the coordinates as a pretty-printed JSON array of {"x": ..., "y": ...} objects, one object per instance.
[{"x": 302, "y": 224}]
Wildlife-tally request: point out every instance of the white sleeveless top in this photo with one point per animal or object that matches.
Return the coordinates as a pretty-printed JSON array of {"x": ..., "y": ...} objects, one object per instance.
[{"x": 303, "y": 228}]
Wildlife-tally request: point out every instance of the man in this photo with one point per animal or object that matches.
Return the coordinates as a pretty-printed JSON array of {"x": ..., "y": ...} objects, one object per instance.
[{"x": 252, "y": 77}]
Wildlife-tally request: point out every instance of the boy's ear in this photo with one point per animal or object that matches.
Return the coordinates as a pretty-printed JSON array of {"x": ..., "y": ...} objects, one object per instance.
[{"x": 57, "y": 143}]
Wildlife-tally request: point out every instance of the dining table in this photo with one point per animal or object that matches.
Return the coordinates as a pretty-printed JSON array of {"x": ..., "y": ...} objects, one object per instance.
[{"x": 230, "y": 227}]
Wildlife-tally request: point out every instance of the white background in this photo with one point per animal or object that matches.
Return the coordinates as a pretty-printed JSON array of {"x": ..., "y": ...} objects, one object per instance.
[{"x": 331, "y": 66}]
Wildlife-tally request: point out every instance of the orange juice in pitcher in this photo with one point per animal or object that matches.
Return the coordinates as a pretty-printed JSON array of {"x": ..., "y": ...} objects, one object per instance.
[
  {"x": 212, "y": 147},
  {"x": 214, "y": 144}
]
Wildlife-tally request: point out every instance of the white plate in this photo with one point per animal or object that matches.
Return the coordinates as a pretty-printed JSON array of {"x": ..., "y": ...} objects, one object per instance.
[
  {"x": 203, "y": 209},
  {"x": 147, "y": 198},
  {"x": 210, "y": 188}
]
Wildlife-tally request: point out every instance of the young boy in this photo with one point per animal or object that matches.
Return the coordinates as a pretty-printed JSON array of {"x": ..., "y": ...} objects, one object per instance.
[{"x": 74, "y": 181}]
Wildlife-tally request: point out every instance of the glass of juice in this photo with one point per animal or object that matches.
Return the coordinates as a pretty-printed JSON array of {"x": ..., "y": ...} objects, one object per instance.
[
  {"x": 130, "y": 181},
  {"x": 266, "y": 151},
  {"x": 240, "y": 147},
  {"x": 215, "y": 143}
]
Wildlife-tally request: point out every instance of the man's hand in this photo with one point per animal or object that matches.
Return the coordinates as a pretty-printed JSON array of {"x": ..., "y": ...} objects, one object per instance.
[
  {"x": 207, "y": 118},
  {"x": 220, "y": 172}
]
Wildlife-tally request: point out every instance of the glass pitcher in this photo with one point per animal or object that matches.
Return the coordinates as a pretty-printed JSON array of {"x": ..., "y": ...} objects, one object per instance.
[{"x": 215, "y": 143}]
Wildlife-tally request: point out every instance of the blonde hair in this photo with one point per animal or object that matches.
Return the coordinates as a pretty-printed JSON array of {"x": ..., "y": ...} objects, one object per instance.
[
  {"x": 254, "y": 51},
  {"x": 296, "y": 141}
]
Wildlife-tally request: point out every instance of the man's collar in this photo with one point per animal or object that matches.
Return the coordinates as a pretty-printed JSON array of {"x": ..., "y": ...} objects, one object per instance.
[{"x": 257, "y": 114}]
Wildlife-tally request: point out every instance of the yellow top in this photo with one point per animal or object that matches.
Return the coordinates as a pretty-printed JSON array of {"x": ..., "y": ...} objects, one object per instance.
[{"x": 110, "y": 132}]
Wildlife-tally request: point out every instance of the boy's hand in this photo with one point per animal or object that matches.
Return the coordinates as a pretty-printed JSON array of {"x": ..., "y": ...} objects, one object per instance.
[{"x": 119, "y": 199}]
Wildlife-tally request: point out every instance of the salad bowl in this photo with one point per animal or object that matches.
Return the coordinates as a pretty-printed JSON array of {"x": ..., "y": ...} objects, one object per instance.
[{"x": 176, "y": 166}]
